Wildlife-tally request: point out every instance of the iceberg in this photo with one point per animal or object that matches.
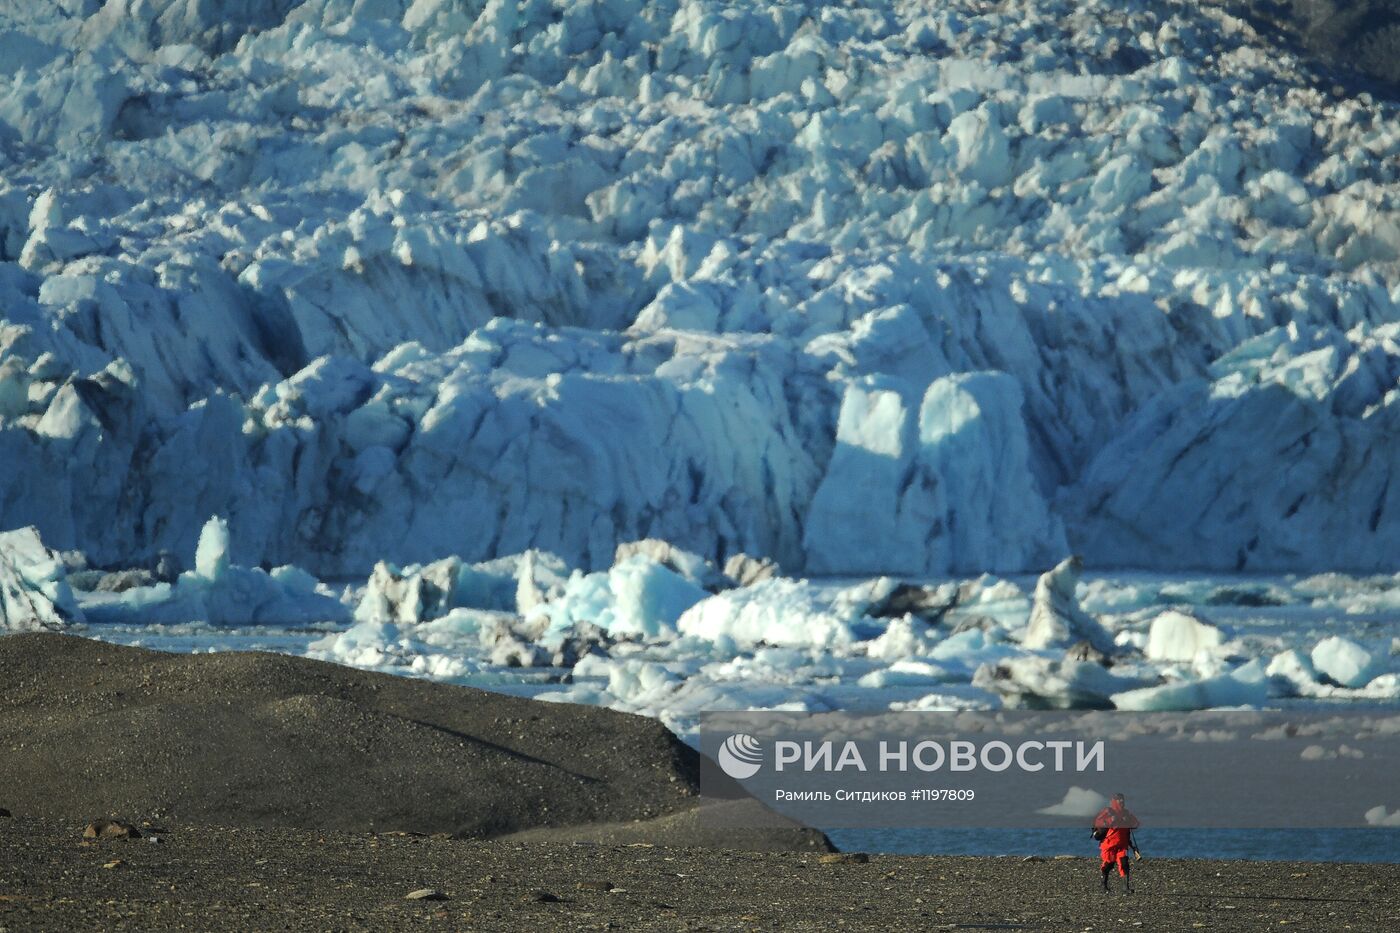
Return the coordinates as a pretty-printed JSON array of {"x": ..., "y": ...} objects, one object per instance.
[
  {"x": 1057, "y": 621},
  {"x": 34, "y": 590},
  {"x": 1345, "y": 662},
  {"x": 1177, "y": 636}
]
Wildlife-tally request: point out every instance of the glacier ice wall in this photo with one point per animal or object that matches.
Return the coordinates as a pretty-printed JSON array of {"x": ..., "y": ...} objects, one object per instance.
[{"x": 883, "y": 288}]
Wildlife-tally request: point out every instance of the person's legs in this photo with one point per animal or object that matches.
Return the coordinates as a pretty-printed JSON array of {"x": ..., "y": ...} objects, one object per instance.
[
  {"x": 1125, "y": 868},
  {"x": 1106, "y": 865}
]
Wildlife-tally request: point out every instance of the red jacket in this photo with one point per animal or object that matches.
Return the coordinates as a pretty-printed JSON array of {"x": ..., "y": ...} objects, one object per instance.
[{"x": 1119, "y": 822}]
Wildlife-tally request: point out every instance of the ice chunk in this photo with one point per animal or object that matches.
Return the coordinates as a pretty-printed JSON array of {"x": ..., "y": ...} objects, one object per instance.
[
  {"x": 638, "y": 598},
  {"x": 1322, "y": 753},
  {"x": 1056, "y": 620},
  {"x": 1380, "y": 816},
  {"x": 1176, "y": 636},
  {"x": 1120, "y": 182},
  {"x": 460, "y": 643},
  {"x": 906, "y": 637},
  {"x": 1384, "y": 687},
  {"x": 691, "y": 566},
  {"x": 650, "y": 598},
  {"x": 773, "y": 612},
  {"x": 222, "y": 593},
  {"x": 540, "y": 577},
  {"x": 1079, "y": 802},
  {"x": 1247, "y": 685},
  {"x": 420, "y": 593},
  {"x": 636, "y": 682},
  {"x": 1295, "y": 669},
  {"x": 364, "y": 644},
  {"x": 1065, "y": 684},
  {"x": 1344, "y": 661},
  {"x": 980, "y": 144},
  {"x": 746, "y": 571},
  {"x": 928, "y": 603},
  {"x": 905, "y": 674},
  {"x": 238, "y": 596},
  {"x": 972, "y": 648},
  {"x": 211, "y": 556},
  {"x": 34, "y": 590},
  {"x": 1281, "y": 199},
  {"x": 410, "y": 596}
]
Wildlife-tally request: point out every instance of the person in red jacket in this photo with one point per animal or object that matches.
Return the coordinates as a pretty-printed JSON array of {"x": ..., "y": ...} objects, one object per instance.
[{"x": 1113, "y": 827}]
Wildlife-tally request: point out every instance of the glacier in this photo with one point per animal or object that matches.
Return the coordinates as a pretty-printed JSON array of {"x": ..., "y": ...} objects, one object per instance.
[
  {"x": 405, "y": 280},
  {"x": 690, "y": 353}
]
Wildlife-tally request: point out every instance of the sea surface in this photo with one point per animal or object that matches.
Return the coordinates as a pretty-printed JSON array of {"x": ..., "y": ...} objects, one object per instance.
[{"x": 1371, "y": 844}]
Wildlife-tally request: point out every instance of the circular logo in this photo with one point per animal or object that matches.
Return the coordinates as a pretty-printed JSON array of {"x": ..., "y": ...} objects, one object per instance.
[{"x": 740, "y": 756}]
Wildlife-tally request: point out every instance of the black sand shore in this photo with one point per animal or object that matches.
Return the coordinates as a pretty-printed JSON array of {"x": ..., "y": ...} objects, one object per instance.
[
  {"x": 257, "y": 740},
  {"x": 269, "y": 879},
  {"x": 251, "y": 739}
]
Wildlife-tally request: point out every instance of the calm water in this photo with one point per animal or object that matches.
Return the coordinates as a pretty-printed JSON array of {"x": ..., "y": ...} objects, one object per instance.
[{"x": 1300, "y": 845}]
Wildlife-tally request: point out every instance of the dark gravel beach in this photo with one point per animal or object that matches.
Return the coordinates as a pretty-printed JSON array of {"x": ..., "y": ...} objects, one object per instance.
[
  {"x": 252, "y": 739},
  {"x": 268, "y": 879}
]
